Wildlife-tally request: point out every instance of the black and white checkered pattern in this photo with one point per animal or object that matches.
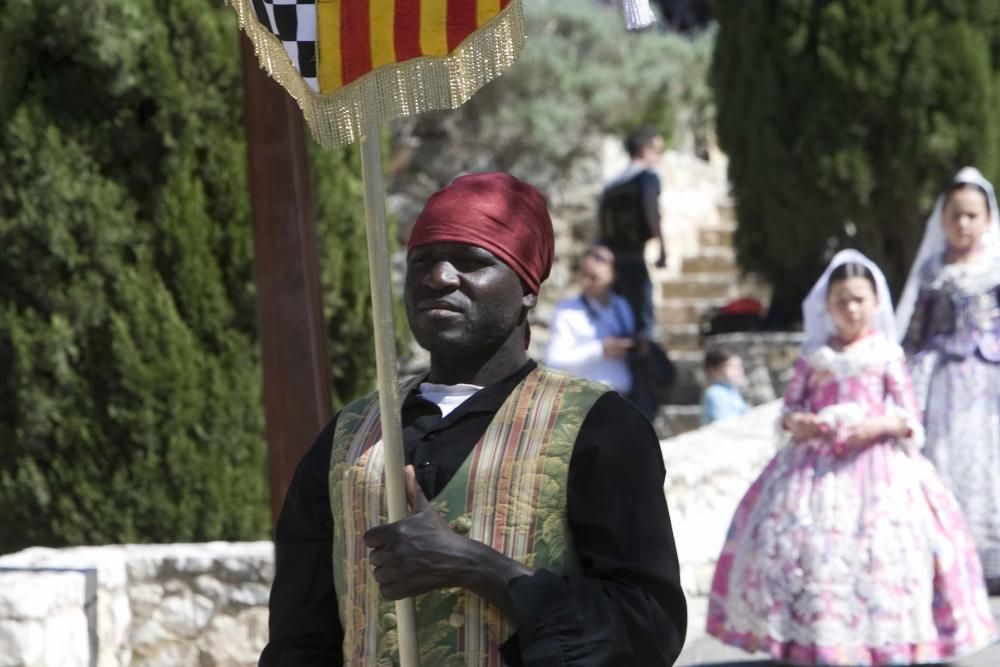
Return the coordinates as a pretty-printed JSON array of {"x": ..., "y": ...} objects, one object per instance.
[{"x": 294, "y": 23}]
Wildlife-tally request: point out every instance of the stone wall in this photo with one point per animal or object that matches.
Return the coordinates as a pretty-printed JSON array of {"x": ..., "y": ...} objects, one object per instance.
[
  {"x": 205, "y": 605},
  {"x": 44, "y": 618},
  {"x": 708, "y": 471},
  {"x": 173, "y": 605},
  {"x": 768, "y": 358}
]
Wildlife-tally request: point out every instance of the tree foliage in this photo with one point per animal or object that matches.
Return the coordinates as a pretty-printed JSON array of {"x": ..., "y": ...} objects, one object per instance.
[
  {"x": 344, "y": 263},
  {"x": 843, "y": 119},
  {"x": 129, "y": 368},
  {"x": 581, "y": 77}
]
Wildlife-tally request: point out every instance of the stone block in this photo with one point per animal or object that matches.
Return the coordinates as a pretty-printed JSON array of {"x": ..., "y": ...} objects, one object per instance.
[
  {"x": 148, "y": 633},
  {"x": 67, "y": 639},
  {"x": 143, "y": 605},
  {"x": 251, "y": 594},
  {"x": 212, "y": 588},
  {"x": 701, "y": 288},
  {"x": 191, "y": 563},
  {"x": 168, "y": 654},
  {"x": 114, "y": 616},
  {"x": 708, "y": 471},
  {"x": 22, "y": 642},
  {"x": 672, "y": 420},
  {"x": 185, "y": 614},
  {"x": 36, "y": 594},
  {"x": 676, "y": 311},
  {"x": 234, "y": 641},
  {"x": 43, "y": 617},
  {"x": 712, "y": 237},
  {"x": 106, "y": 606},
  {"x": 145, "y": 597},
  {"x": 716, "y": 262},
  {"x": 679, "y": 337},
  {"x": 727, "y": 216}
]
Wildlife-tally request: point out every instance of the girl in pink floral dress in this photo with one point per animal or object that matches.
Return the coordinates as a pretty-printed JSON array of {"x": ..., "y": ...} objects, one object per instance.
[{"x": 849, "y": 549}]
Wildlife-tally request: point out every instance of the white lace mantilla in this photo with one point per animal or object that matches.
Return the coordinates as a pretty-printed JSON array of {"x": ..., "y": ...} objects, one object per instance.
[
  {"x": 965, "y": 278},
  {"x": 868, "y": 355}
]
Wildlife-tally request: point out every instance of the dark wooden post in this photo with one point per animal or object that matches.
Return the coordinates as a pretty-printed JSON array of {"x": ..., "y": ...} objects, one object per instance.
[{"x": 297, "y": 400}]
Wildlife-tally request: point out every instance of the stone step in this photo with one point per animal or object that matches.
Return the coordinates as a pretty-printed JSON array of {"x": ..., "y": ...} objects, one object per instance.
[
  {"x": 711, "y": 263},
  {"x": 687, "y": 393},
  {"x": 727, "y": 216},
  {"x": 702, "y": 287},
  {"x": 673, "y": 420},
  {"x": 680, "y": 328},
  {"x": 688, "y": 342},
  {"x": 687, "y": 356},
  {"x": 715, "y": 237},
  {"x": 681, "y": 311},
  {"x": 696, "y": 303}
]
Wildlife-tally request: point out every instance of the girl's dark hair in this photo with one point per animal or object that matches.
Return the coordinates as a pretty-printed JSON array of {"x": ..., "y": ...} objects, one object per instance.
[
  {"x": 955, "y": 186},
  {"x": 716, "y": 357},
  {"x": 851, "y": 270}
]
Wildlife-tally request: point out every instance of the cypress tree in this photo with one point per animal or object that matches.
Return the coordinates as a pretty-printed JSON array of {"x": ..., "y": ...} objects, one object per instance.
[{"x": 843, "y": 119}]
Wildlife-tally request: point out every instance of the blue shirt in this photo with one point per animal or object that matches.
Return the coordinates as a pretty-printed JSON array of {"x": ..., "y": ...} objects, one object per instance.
[{"x": 721, "y": 401}]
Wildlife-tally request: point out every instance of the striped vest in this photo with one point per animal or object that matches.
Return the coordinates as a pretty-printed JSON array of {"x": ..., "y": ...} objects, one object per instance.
[{"x": 510, "y": 493}]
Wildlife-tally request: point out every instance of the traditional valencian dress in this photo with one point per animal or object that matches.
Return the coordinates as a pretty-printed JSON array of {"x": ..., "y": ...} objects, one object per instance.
[
  {"x": 953, "y": 342},
  {"x": 846, "y": 554}
]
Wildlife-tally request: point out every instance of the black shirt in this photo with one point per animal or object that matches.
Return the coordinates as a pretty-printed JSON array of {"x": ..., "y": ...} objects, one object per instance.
[
  {"x": 629, "y": 213},
  {"x": 626, "y": 609}
]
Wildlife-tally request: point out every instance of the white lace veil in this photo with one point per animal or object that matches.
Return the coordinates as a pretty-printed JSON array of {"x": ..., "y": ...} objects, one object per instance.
[
  {"x": 818, "y": 323},
  {"x": 935, "y": 243}
]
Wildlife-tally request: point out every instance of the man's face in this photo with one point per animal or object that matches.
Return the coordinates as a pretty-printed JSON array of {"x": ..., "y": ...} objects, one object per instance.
[
  {"x": 653, "y": 152},
  {"x": 461, "y": 299}
]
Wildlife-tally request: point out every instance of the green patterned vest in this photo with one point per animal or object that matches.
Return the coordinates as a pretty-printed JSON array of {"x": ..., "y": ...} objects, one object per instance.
[{"x": 510, "y": 493}]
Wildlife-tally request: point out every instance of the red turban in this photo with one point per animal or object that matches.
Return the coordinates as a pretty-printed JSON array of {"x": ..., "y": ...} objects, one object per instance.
[{"x": 494, "y": 211}]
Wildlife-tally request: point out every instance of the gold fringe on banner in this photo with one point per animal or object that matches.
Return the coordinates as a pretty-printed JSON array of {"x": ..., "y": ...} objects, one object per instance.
[{"x": 392, "y": 91}]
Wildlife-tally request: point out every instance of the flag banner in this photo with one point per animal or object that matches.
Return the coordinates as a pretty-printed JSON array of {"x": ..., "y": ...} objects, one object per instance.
[
  {"x": 638, "y": 14},
  {"x": 354, "y": 64}
]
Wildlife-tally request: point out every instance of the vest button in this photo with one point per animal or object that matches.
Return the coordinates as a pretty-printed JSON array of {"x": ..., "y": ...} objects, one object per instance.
[
  {"x": 462, "y": 525},
  {"x": 456, "y": 620},
  {"x": 424, "y": 464}
]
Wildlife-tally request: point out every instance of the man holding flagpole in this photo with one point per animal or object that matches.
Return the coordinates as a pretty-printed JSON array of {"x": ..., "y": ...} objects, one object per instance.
[{"x": 539, "y": 532}]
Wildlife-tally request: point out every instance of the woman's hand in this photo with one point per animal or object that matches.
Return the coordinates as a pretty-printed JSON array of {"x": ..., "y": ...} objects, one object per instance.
[{"x": 616, "y": 347}]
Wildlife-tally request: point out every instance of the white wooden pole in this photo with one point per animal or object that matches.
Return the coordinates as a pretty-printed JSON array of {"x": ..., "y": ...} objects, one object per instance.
[{"x": 385, "y": 363}]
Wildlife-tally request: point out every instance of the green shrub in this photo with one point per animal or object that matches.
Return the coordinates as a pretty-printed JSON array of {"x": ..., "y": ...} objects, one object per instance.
[
  {"x": 582, "y": 76},
  {"x": 129, "y": 367},
  {"x": 847, "y": 117}
]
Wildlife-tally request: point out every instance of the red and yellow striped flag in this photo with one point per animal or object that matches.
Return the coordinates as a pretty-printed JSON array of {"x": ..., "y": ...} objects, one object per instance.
[
  {"x": 376, "y": 60},
  {"x": 358, "y": 36}
]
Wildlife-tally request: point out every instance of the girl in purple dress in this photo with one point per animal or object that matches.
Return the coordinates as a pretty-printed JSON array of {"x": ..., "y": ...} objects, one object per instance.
[
  {"x": 950, "y": 314},
  {"x": 849, "y": 549}
]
